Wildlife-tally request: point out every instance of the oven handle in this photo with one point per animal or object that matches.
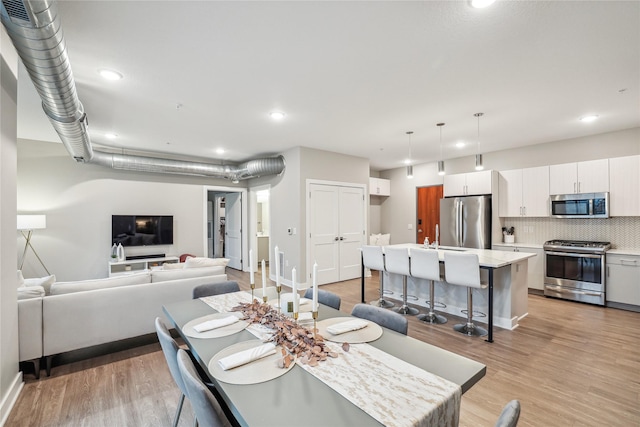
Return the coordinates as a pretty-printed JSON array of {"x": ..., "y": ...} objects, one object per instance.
[
  {"x": 571, "y": 291},
  {"x": 573, "y": 254}
]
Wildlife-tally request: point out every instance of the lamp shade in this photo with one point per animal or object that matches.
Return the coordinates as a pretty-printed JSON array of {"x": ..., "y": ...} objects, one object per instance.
[{"x": 32, "y": 222}]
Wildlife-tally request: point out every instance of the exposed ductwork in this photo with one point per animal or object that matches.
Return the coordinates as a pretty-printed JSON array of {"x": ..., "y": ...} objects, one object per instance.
[{"x": 36, "y": 32}]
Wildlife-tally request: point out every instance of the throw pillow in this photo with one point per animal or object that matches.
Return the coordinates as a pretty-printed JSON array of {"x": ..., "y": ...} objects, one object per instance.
[
  {"x": 198, "y": 262},
  {"x": 20, "y": 278},
  {"x": 45, "y": 282},
  {"x": 173, "y": 265},
  {"x": 384, "y": 240},
  {"x": 29, "y": 292}
]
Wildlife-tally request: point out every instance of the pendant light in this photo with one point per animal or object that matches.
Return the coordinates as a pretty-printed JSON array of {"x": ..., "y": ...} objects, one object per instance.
[
  {"x": 441, "y": 161},
  {"x": 479, "y": 165},
  {"x": 409, "y": 166}
]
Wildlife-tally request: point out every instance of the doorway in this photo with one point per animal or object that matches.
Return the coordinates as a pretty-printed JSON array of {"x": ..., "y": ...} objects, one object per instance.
[
  {"x": 428, "y": 215},
  {"x": 226, "y": 220}
]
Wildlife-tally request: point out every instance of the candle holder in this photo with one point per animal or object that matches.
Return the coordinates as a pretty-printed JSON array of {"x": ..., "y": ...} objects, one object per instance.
[
  {"x": 295, "y": 316},
  {"x": 315, "y": 322},
  {"x": 264, "y": 299},
  {"x": 278, "y": 290},
  {"x": 253, "y": 287}
]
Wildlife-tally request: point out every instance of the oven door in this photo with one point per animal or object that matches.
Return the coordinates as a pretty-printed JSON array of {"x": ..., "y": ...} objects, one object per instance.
[{"x": 575, "y": 270}]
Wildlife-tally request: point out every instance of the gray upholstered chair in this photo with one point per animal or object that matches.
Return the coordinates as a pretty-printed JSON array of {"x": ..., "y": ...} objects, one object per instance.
[
  {"x": 426, "y": 265},
  {"x": 373, "y": 259},
  {"x": 211, "y": 289},
  {"x": 324, "y": 297},
  {"x": 205, "y": 405},
  {"x": 463, "y": 269},
  {"x": 396, "y": 260},
  {"x": 382, "y": 317},
  {"x": 170, "y": 349},
  {"x": 510, "y": 414}
]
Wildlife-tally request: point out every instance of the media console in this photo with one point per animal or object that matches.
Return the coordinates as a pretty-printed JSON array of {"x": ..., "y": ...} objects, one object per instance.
[{"x": 130, "y": 266}]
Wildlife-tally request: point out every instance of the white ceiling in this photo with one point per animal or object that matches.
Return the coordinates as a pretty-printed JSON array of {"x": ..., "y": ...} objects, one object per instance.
[{"x": 352, "y": 77}]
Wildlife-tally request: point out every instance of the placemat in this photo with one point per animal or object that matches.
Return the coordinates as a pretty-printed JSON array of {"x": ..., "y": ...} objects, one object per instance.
[
  {"x": 214, "y": 333},
  {"x": 372, "y": 332},
  {"x": 258, "y": 371}
]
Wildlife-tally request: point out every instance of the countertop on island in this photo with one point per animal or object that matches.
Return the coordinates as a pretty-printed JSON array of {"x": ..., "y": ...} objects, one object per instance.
[{"x": 487, "y": 258}]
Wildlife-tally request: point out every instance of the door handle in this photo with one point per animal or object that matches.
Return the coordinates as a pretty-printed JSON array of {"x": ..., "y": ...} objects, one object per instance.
[
  {"x": 341, "y": 238},
  {"x": 336, "y": 238}
]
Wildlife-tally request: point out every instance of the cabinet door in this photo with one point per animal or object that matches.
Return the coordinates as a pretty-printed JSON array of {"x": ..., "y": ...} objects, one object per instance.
[
  {"x": 510, "y": 189},
  {"x": 535, "y": 191},
  {"x": 593, "y": 176},
  {"x": 624, "y": 186},
  {"x": 384, "y": 187},
  {"x": 478, "y": 183},
  {"x": 623, "y": 283},
  {"x": 563, "y": 179},
  {"x": 454, "y": 185}
]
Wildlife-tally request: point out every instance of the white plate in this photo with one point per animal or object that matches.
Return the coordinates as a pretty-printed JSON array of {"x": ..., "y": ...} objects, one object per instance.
[
  {"x": 214, "y": 333},
  {"x": 371, "y": 332}
]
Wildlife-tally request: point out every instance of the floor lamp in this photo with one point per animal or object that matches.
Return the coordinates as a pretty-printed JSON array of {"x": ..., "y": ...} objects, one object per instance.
[{"x": 29, "y": 223}]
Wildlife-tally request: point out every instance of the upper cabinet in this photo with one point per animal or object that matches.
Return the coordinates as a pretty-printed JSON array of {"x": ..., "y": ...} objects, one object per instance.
[
  {"x": 379, "y": 187},
  {"x": 624, "y": 183},
  {"x": 524, "y": 192},
  {"x": 468, "y": 184},
  {"x": 582, "y": 177}
]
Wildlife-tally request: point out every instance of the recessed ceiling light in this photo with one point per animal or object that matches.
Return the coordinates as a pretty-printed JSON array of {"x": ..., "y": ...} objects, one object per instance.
[
  {"x": 588, "y": 119},
  {"x": 479, "y": 4},
  {"x": 460, "y": 144},
  {"x": 111, "y": 135},
  {"x": 277, "y": 115},
  {"x": 219, "y": 150},
  {"x": 110, "y": 74},
  {"x": 407, "y": 161}
]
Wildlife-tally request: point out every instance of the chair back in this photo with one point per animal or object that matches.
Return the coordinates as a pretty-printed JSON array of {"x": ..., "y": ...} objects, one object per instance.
[
  {"x": 211, "y": 289},
  {"x": 510, "y": 414},
  {"x": 206, "y": 407},
  {"x": 183, "y": 257},
  {"x": 372, "y": 257},
  {"x": 170, "y": 350},
  {"x": 462, "y": 269},
  {"x": 383, "y": 317},
  {"x": 324, "y": 297},
  {"x": 425, "y": 264},
  {"x": 396, "y": 260}
]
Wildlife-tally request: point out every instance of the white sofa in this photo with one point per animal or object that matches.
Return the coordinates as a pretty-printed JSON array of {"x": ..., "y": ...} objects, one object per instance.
[{"x": 75, "y": 315}]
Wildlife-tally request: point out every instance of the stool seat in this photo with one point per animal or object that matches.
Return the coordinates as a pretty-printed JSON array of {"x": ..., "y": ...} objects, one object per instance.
[
  {"x": 463, "y": 269},
  {"x": 425, "y": 264},
  {"x": 396, "y": 260},
  {"x": 373, "y": 259}
]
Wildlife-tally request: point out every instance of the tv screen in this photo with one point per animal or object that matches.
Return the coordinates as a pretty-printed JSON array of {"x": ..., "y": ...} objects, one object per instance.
[{"x": 142, "y": 230}]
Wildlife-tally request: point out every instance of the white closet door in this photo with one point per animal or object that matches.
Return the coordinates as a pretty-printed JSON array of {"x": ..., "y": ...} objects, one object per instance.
[
  {"x": 324, "y": 229},
  {"x": 233, "y": 230},
  {"x": 351, "y": 231}
]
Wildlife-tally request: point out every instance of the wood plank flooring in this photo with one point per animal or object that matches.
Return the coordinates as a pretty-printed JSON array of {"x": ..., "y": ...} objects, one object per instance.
[{"x": 569, "y": 364}]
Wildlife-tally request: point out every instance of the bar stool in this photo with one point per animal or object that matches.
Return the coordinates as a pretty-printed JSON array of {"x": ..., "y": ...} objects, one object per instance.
[
  {"x": 426, "y": 265},
  {"x": 373, "y": 258},
  {"x": 397, "y": 261},
  {"x": 464, "y": 270}
]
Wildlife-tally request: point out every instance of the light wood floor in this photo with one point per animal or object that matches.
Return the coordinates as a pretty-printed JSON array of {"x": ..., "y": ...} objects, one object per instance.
[{"x": 569, "y": 364}]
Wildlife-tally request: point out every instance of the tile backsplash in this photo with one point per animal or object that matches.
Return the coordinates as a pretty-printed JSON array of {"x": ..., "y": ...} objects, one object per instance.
[{"x": 622, "y": 232}]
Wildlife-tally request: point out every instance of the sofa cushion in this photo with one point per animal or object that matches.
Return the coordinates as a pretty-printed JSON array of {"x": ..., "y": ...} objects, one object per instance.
[
  {"x": 197, "y": 262},
  {"x": 20, "y": 279},
  {"x": 172, "y": 265},
  {"x": 28, "y": 292},
  {"x": 110, "y": 282},
  {"x": 185, "y": 273},
  {"x": 46, "y": 282}
]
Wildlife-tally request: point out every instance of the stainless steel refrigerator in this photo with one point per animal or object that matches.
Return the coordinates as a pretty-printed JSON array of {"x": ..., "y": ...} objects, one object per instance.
[{"x": 466, "y": 222}]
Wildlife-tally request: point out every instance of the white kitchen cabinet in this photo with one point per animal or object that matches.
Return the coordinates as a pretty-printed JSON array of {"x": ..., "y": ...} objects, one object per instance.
[
  {"x": 624, "y": 186},
  {"x": 468, "y": 184},
  {"x": 535, "y": 271},
  {"x": 524, "y": 192},
  {"x": 582, "y": 177},
  {"x": 623, "y": 279},
  {"x": 379, "y": 187}
]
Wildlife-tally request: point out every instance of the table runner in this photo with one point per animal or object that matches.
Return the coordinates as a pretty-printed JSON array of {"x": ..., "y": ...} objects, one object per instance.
[{"x": 390, "y": 390}]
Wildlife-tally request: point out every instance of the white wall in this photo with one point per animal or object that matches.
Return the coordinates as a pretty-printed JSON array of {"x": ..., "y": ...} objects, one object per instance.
[
  {"x": 10, "y": 377},
  {"x": 79, "y": 200}
]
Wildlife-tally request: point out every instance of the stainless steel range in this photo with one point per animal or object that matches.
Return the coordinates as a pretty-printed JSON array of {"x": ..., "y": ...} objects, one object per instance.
[{"x": 575, "y": 270}]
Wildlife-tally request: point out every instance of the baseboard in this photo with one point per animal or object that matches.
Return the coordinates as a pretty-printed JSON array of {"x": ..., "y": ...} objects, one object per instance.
[
  {"x": 9, "y": 400},
  {"x": 533, "y": 291}
]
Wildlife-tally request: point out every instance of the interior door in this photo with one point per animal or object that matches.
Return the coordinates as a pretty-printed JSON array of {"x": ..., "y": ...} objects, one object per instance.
[
  {"x": 428, "y": 207},
  {"x": 233, "y": 230},
  {"x": 351, "y": 229}
]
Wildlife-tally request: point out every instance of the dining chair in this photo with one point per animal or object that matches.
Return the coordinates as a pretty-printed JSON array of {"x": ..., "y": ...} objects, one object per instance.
[
  {"x": 463, "y": 269},
  {"x": 170, "y": 350},
  {"x": 382, "y": 317},
  {"x": 324, "y": 297},
  {"x": 396, "y": 260},
  {"x": 211, "y": 289},
  {"x": 205, "y": 405},
  {"x": 373, "y": 259},
  {"x": 425, "y": 264},
  {"x": 510, "y": 415}
]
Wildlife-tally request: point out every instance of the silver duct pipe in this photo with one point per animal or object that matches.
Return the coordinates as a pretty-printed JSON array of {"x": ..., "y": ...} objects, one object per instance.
[{"x": 36, "y": 32}]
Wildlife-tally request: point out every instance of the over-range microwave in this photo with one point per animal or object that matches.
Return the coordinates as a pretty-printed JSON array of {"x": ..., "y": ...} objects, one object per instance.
[{"x": 585, "y": 205}]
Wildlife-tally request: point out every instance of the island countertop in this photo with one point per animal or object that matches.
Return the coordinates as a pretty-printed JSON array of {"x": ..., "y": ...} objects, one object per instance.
[{"x": 487, "y": 258}]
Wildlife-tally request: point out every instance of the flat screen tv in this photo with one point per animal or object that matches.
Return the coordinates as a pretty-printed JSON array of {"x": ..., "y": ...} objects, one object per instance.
[{"x": 142, "y": 230}]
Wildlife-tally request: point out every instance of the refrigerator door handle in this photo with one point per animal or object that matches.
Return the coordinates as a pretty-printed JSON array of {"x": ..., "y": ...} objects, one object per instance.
[{"x": 461, "y": 219}]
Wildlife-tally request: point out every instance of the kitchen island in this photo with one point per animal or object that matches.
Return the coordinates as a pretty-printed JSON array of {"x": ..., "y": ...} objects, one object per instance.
[{"x": 504, "y": 301}]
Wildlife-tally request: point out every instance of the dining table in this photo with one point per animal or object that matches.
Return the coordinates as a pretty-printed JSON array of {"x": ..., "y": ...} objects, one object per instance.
[{"x": 355, "y": 394}]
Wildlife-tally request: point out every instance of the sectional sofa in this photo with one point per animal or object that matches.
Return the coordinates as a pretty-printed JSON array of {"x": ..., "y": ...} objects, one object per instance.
[{"x": 57, "y": 317}]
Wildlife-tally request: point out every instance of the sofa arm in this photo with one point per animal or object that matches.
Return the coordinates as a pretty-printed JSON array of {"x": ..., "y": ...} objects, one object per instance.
[{"x": 30, "y": 329}]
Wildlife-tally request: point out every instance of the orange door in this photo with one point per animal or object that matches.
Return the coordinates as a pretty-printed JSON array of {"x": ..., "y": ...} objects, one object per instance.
[{"x": 428, "y": 212}]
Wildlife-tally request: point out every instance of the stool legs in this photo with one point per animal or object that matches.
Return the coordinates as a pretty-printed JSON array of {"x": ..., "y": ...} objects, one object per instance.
[
  {"x": 404, "y": 308},
  {"x": 381, "y": 302},
  {"x": 432, "y": 316},
  {"x": 470, "y": 328}
]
